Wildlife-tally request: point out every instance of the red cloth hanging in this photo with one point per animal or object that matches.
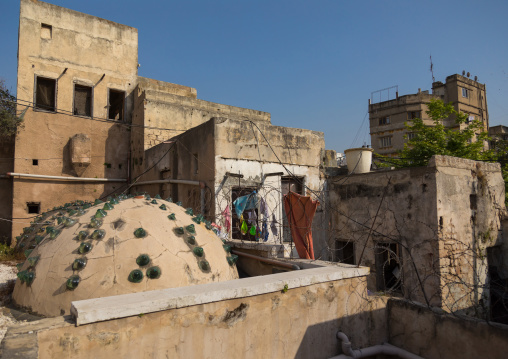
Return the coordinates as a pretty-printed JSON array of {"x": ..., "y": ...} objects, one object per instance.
[{"x": 300, "y": 212}]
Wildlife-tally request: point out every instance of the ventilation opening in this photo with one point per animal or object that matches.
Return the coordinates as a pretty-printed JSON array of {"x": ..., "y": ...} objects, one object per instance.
[
  {"x": 46, "y": 31},
  {"x": 345, "y": 252},
  {"x": 116, "y": 105},
  {"x": 45, "y": 94},
  {"x": 33, "y": 208},
  {"x": 82, "y": 100},
  {"x": 35, "y": 162}
]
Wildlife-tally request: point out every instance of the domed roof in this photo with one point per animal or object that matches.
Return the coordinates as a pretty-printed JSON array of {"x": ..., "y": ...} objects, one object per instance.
[{"x": 123, "y": 246}]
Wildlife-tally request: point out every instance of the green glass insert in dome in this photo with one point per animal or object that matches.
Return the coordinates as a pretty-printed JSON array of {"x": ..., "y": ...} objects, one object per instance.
[
  {"x": 191, "y": 229},
  {"x": 147, "y": 197},
  {"x": 227, "y": 248},
  {"x": 189, "y": 211},
  {"x": 179, "y": 231},
  {"x": 142, "y": 260},
  {"x": 97, "y": 201},
  {"x": 191, "y": 240},
  {"x": 60, "y": 220},
  {"x": 87, "y": 205},
  {"x": 153, "y": 272},
  {"x": 85, "y": 248},
  {"x": 73, "y": 282},
  {"x": 82, "y": 235},
  {"x": 140, "y": 233},
  {"x": 98, "y": 234},
  {"x": 32, "y": 261},
  {"x": 100, "y": 213},
  {"x": 72, "y": 212},
  {"x": 38, "y": 239},
  {"x": 79, "y": 263},
  {"x": 208, "y": 226},
  {"x": 54, "y": 233},
  {"x": 232, "y": 259},
  {"x": 199, "y": 251},
  {"x": 95, "y": 222},
  {"x": 28, "y": 252},
  {"x": 172, "y": 216},
  {"x": 114, "y": 201},
  {"x": 157, "y": 196},
  {"x": 163, "y": 207},
  {"x": 28, "y": 229},
  {"x": 169, "y": 199},
  {"x": 179, "y": 203},
  {"x": 19, "y": 266},
  {"x": 154, "y": 202},
  {"x": 26, "y": 277},
  {"x": 204, "y": 266},
  {"x": 69, "y": 222},
  {"x": 80, "y": 212},
  {"x": 108, "y": 207},
  {"x": 135, "y": 276}
]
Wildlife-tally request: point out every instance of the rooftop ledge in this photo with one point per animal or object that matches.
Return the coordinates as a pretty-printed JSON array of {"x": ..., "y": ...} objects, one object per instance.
[{"x": 120, "y": 306}]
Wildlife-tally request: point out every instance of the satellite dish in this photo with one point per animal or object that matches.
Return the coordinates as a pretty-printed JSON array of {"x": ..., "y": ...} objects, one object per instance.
[
  {"x": 468, "y": 74},
  {"x": 463, "y": 72},
  {"x": 476, "y": 78}
]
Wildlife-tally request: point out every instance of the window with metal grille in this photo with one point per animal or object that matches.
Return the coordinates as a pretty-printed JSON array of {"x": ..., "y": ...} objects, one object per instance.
[
  {"x": 345, "y": 252},
  {"x": 45, "y": 94},
  {"x": 82, "y": 100}
]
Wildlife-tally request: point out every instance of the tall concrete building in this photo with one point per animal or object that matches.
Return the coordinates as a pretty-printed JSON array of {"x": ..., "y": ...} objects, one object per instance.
[{"x": 387, "y": 118}]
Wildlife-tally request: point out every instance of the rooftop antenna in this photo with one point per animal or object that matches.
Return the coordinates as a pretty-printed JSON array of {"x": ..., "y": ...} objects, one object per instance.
[{"x": 432, "y": 69}]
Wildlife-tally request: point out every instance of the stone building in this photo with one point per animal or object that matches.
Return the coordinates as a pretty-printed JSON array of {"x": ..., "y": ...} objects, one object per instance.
[
  {"x": 92, "y": 119},
  {"x": 431, "y": 234},
  {"x": 387, "y": 118}
]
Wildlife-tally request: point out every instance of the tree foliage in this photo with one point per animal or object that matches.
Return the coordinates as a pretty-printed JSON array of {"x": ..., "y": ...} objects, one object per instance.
[
  {"x": 426, "y": 141},
  {"x": 10, "y": 122}
]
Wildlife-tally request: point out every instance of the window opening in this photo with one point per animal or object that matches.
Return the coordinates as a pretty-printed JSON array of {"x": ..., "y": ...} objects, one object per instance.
[
  {"x": 46, "y": 31},
  {"x": 411, "y": 115},
  {"x": 388, "y": 267},
  {"x": 45, "y": 94},
  {"x": 82, "y": 100},
  {"x": 385, "y": 141},
  {"x": 236, "y": 224},
  {"x": 35, "y": 162},
  {"x": 345, "y": 252},
  {"x": 384, "y": 121},
  {"x": 411, "y": 135},
  {"x": 465, "y": 93},
  {"x": 33, "y": 207},
  {"x": 116, "y": 105}
]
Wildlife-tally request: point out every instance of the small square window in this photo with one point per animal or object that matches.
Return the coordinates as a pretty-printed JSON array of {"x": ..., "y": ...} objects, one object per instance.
[
  {"x": 82, "y": 101},
  {"x": 411, "y": 136},
  {"x": 385, "y": 141},
  {"x": 384, "y": 120},
  {"x": 35, "y": 162},
  {"x": 465, "y": 93},
  {"x": 345, "y": 252},
  {"x": 411, "y": 115},
  {"x": 46, "y": 31},
  {"x": 33, "y": 207},
  {"x": 45, "y": 94}
]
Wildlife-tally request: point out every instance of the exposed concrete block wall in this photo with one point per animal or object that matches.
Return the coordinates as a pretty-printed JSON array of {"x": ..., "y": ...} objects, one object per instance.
[
  {"x": 82, "y": 49},
  {"x": 443, "y": 216},
  {"x": 434, "y": 335}
]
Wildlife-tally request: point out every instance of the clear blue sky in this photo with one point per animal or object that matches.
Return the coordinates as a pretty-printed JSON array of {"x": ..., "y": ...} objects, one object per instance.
[{"x": 311, "y": 64}]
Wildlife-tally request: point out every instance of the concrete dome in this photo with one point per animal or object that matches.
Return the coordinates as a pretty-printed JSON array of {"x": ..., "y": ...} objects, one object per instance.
[{"x": 141, "y": 245}]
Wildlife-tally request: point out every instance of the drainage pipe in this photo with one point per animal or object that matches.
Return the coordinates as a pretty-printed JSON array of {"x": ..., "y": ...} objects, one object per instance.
[
  {"x": 385, "y": 349},
  {"x": 267, "y": 260},
  {"x": 81, "y": 179}
]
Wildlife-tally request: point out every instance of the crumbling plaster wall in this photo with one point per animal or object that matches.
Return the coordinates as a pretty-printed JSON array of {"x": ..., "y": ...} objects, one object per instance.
[
  {"x": 435, "y": 335},
  {"x": 82, "y": 49},
  {"x": 299, "y": 323},
  {"x": 446, "y": 214}
]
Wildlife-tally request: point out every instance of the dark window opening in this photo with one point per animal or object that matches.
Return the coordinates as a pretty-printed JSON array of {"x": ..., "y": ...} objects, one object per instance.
[
  {"x": 236, "y": 223},
  {"x": 293, "y": 184},
  {"x": 472, "y": 201},
  {"x": 33, "y": 208},
  {"x": 35, "y": 162},
  {"x": 413, "y": 114},
  {"x": 388, "y": 267},
  {"x": 45, "y": 94},
  {"x": 82, "y": 101},
  {"x": 345, "y": 252},
  {"x": 116, "y": 105},
  {"x": 384, "y": 121}
]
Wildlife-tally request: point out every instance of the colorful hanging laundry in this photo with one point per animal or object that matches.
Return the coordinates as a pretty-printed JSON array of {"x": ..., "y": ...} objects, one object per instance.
[
  {"x": 264, "y": 232},
  {"x": 243, "y": 203},
  {"x": 300, "y": 211},
  {"x": 244, "y": 227},
  {"x": 251, "y": 216},
  {"x": 263, "y": 208},
  {"x": 253, "y": 230},
  {"x": 273, "y": 226},
  {"x": 226, "y": 214}
]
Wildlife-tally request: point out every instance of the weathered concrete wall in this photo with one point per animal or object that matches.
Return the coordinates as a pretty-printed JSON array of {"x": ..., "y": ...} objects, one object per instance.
[
  {"x": 443, "y": 217},
  {"x": 82, "y": 49},
  {"x": 300, "y": 323},
  {"x": 434, "y": 335}
]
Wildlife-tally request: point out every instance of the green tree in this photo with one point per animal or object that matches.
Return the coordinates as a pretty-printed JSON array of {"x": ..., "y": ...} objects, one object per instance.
[
  {"x": 426, "y": 141},
  {"x": 10, "y": 122}
]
